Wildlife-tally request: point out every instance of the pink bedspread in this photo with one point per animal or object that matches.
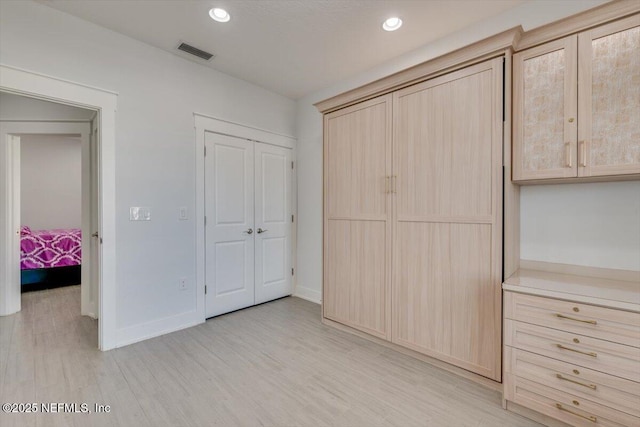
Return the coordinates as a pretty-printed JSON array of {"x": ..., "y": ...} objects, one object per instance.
[{"x": 50, "y": 248}]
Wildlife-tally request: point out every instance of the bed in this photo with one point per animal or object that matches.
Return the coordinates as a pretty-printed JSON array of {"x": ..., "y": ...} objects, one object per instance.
[{"x": 50, "y": 258}]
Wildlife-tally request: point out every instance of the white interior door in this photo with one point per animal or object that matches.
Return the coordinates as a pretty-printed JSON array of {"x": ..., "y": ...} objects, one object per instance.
[
  {"x": 273, "y": 176},
  {"x": 229, "y": 226}
]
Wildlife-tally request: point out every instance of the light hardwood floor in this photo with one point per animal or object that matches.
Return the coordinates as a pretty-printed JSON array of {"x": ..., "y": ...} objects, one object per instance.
[{"x": 269, "y": 365}]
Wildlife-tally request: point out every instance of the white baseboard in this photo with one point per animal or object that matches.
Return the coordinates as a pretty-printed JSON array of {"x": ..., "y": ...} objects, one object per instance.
[
  {"x": 308, "y": 294},
  {"x": 155, "y": 328}
]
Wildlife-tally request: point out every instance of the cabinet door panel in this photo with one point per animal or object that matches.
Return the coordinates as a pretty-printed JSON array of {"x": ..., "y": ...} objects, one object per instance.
[
  {"x": 357, "y": 250},
  {"x": 609, "y": 85},
  {"x": 356, "y": 285},
  {"x": 357, "y": 162},
  {"x": 448, "y": 224},
  {"x": 545, "y": 111},
  {"x": 445, "y": 301}
]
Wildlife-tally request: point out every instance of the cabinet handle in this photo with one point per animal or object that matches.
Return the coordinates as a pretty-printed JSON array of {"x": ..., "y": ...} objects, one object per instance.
[
  {"x": 591, "y": 386},
  {"x": 562, "y": 316},
  {"x": 589, "y": 417},
  {"x": 567, "y": 154},
  {"x": 586, "y": 353},
  {"x": 583, "y": 154}
]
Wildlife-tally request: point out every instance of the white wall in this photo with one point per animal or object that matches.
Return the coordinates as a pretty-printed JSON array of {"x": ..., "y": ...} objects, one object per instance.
[
  {"x": 529, "y": 15},
  {"x": 50, "y": 181},
  {"x": 595, "y": 224},
  {"x": 155, "y": 154}
]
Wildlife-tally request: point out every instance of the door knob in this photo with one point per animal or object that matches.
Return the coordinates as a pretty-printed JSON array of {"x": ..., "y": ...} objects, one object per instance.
[
  {"x": 95, "y": 234},
  {"x": 260, "y": 231},
  {"x": 249, "y": 231}
]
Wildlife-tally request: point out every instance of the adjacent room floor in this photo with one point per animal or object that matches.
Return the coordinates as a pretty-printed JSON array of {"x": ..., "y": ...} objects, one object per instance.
[{"x": 270, "y": 365}]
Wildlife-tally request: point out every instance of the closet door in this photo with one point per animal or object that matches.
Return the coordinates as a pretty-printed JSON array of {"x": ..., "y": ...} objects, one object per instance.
[
  {"x": 545, "y": 107},
  {"x": 447, "y": 155},
  {"x": 609, "y": 96},
  {"x": 357, "y": 226},
  {"x": 229, "y": 247},
  {"x": 273, "y": 222}
]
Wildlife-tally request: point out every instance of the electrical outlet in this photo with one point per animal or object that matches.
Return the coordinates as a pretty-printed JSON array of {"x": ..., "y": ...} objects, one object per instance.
[{"x": 182, "y": 284}]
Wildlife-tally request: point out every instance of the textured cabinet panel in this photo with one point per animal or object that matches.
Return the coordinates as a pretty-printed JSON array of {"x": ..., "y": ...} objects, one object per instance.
[
  {"x": 444, "y": 149},
  {"x": 447, "y": 226},
  {"x": 609, "y": 73},
  {"x": 357, "y": 227},
  {"x": 357, "y": 161},
  {"x": 444, "y": 298},
  {"x": 355, "y": 288},
  {"x": 545, "y": 111}
]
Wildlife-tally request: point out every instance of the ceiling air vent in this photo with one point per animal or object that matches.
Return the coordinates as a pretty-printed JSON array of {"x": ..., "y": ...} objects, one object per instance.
[{"x": 195, "y": 51}]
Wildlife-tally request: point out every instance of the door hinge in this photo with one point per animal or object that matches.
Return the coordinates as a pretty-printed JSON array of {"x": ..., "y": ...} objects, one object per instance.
[
  {"x": 292, "y": 218},
  {"x": 205, "y": 289},
  {"x": 291, "y": 165},
  {"x": 292, "y": 271},
  {"x": 205, "y": 151}
]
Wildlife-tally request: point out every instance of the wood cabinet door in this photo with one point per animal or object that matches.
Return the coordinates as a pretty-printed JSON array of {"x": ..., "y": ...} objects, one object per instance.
[
  {"x": 447, "y": 227},
  {"x": 357, "y": 226},
  {"x": 609, "y": 97},
  {"x": 545, "y": 111}
]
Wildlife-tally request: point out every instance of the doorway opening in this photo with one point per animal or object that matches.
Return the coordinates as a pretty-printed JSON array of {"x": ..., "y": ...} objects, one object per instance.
[
  {"x": 52, "y": 199},
  {"x": 31, "y": 86}
]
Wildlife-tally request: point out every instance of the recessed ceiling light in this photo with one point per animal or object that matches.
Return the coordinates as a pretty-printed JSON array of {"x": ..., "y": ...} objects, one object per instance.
[
  {"x": 219, "y": 15},
  {"x": 392, "y": 24}
]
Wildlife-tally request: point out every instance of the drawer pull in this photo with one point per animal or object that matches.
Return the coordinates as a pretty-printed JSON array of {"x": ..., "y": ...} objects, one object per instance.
[
  {"x": 587, "y": 353},
  {"x": 590, "y": 417},
  {"x": 591, "y": 386},
  {"x": 562, "y": 316}
]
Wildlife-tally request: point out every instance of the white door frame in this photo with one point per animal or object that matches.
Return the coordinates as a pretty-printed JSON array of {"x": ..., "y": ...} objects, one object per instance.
[
  {"x": 34, "y": 85},
  {"x": 12, "y": 301},
  {"x": 203, "y": 124}
]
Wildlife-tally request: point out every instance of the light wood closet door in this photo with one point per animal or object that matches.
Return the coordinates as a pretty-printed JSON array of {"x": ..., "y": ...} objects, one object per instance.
[
  {"x": 357, "y": 216},
  {"x": 609, "y": 99},
  {"x": 545, "y": 111},
  {"x": 447, "y": 229}
]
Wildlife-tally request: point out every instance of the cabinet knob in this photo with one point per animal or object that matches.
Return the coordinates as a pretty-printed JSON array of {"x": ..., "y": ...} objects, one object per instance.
[{"x": 571, "y": 119}]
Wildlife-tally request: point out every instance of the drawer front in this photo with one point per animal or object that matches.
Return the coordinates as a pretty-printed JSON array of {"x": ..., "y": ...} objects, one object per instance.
[
  {"x": 563, "y": 406},
  {"x": 608, "y": 390},
  {"x": 604, "y": 323},
  {"x": 603, "y": 356}
]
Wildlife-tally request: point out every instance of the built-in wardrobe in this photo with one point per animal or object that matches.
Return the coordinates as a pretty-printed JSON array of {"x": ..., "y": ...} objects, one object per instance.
[
  {"x": 422, "y": 182},
  {"x": 413, "y": 216}
]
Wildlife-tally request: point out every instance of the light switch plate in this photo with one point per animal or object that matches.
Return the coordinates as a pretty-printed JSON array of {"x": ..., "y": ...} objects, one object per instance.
[
  {"x": 139, "y": 213},
  {"x": 183, "y": 214}
]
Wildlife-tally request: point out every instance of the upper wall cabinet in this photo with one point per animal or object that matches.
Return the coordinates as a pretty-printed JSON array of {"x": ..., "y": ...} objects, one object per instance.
[{"x": 576, "y": 105}]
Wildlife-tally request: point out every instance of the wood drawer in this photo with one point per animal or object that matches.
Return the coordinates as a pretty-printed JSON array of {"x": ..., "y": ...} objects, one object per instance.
[
  {"x": 608, "y": 390},
  {"x": 572, "y": 409},
  {"x": 604, "y": 356},
  {"x": 604, "y": 323}
]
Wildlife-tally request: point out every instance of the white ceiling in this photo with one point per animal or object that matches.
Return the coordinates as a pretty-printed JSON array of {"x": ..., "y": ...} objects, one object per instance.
[{"x": 292, "y": 47}]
